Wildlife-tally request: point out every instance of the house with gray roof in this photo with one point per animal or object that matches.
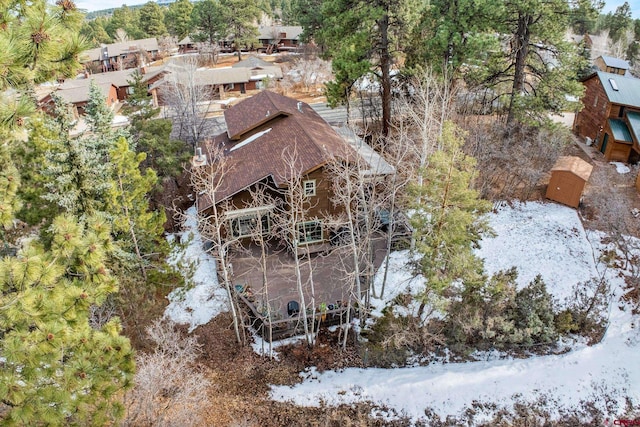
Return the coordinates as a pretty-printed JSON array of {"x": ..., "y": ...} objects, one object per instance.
[
  {"x": 610, "y": 118},
  {"x": 216, "y": 83},
  {"x": 121, "y": 55},
  {"x": 613, "y": 65},
  {"x": 278, "y": 38}
]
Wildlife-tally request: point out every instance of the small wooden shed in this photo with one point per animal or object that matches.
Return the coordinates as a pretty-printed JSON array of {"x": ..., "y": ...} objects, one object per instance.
[{"x": 568, "y": 178}]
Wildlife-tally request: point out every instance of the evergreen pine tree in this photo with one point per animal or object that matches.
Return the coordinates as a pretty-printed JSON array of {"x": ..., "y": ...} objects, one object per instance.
[
  {"x": 178, "y": 18},
  {"x": 98, "y": 114},
  {"x": 55, "y": 368},
  {"x": 141, "y": 228},
  {"x": 76, "y": 170},
  {"x": 152, "y": 20},
  {"x": 447, "y": 215}
]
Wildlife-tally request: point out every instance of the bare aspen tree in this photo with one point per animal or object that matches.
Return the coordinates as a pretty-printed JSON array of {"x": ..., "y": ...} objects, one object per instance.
[
  {"x": 262, "y": 202},
  {"x": 169, "y": 386},
  {"x": 398, "y": 153},
  {"x": 207, "y": 176},
  {"x": 289, "y": 223},
  {"x": 209, "y": 52},
  {"x": 188, "y": 99},
  {"x": 422, "y": 112}
]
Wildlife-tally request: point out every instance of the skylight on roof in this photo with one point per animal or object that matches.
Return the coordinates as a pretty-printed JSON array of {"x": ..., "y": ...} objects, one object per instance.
[
  {"x": 613, "y": 84},
  {"x": 250, "y": 139}
]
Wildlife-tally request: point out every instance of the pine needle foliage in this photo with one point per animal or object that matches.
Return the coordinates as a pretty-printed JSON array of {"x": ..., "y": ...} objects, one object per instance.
[
  {"x": 54, "y": 368},
  {"x": 448, "y": 215}
]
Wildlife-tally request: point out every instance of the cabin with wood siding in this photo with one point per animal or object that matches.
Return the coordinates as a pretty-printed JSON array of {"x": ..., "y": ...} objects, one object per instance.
[
  {"x": 610, "y": 117},
  {"x": 263, "y": 133}
]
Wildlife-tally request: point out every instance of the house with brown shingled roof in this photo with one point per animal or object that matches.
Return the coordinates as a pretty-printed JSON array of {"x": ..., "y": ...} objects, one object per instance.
[{"x": 265, "y": 135}]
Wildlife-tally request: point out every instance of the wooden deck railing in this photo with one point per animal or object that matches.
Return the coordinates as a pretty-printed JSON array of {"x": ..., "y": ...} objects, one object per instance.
[{"x": 272, "y": 330}]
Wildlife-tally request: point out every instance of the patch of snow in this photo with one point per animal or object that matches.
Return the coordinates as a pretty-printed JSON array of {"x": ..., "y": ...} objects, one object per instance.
[
  {"x": 119, "y": 120},
  {"x": 621, "y": 168},
  {"x": 261, "y": 346},
  {"x": 540, "y": 238},
  {"x": 250, "y": 139},
  {"x": 536, "y": 238},
  {"x": 203, "y": 298}
]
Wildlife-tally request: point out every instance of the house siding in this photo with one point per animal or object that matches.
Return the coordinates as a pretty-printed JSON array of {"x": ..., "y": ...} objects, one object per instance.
[{"x": 589, "y": 121}]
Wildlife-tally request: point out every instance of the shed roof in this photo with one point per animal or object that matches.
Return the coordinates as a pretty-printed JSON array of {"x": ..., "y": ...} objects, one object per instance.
[
  {"x": 78, "y": 94},
  {"x": 117, "y": 78},
  {"x": 620, "y": 130},
  {"x": 575, "y": 165},
  {"x": 252, "y": 62},
  {"x": 634, "y": 123},
  {"x": 611, "y": 61},
  {"x": 206, "y": 76},
  {"x": 623, "y": 90}
]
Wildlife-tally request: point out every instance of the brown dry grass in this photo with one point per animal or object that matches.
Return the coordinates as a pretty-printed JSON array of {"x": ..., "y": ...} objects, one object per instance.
[{"x": 241, "y": 381}]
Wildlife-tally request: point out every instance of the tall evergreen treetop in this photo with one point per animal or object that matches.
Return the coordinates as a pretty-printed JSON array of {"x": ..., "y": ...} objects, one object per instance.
[
  {"x": 152, "y": 20},
  {"x": 448, "y": 219}
]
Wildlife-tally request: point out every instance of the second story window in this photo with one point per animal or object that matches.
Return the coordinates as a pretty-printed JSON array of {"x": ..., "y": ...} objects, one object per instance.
[{"x": 309, "y": 187}]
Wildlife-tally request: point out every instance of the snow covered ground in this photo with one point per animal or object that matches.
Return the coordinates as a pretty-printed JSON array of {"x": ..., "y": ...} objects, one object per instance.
[
  {"x": 537, "y": 238},
  {"x": 202, "y": 299}
]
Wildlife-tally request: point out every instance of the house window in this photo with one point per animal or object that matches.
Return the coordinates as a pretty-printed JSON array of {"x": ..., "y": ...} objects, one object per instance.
[
  {"x": 309, "y": 187},
  {"x": 248, "y": 225},
  {"x": 595, "y": 101},
  {"x": 248, "y": 222},
  {"x": 309, "y": 232}
]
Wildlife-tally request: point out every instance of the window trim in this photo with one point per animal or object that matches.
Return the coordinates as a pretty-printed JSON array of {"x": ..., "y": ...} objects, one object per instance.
[
  {"x": 304, "y": 187},
  {"x": 235, "y": 216},
  {"x": 300, "y": 228}
]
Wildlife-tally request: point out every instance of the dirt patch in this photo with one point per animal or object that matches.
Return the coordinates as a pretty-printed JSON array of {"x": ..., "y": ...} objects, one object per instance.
[
  {"x": 239, "y": 395},
  {"x": 610, "y": 200}
]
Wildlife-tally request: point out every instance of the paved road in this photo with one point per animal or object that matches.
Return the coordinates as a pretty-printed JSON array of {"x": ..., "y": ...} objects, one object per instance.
[{"x": 334, "y": 116}]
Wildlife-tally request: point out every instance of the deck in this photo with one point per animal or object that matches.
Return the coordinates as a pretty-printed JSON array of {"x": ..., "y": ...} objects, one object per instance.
[{"x": 324, "y": 274}]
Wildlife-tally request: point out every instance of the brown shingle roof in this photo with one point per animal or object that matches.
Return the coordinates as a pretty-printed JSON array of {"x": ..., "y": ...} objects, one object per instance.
[{"x": 261, "y": 141}]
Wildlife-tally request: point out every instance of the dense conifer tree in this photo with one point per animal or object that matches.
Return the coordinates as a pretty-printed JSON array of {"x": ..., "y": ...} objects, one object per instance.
[{"x": 55, "y": 368}]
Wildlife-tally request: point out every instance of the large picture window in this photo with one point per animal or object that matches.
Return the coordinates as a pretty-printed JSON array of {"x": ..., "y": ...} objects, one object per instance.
[
  {"x": 309, "y": 232},
  {"x": 248, "y": 225},
  {"x": 250, "y": 221}
]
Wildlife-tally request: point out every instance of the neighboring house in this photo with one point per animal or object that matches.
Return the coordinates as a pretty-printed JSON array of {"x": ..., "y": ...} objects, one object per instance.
[
  {"x": 77, "y": 96},
  {"x": 215, "y": 82},
  {"x": 115, "y": 86},
  {"x": 610, "y": 118},
  {"x": 612, "y": 65},
  {"x": 261, "y": 130},
  {"x": 186, "y": 45},
  {"x": 260, "y": 69},
  {"x": 121, "y": 56},
  {"x": 276, "y": 38}
]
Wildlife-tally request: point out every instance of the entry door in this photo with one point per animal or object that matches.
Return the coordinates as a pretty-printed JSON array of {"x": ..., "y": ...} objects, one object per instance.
[{"x": 603, "y": 147}]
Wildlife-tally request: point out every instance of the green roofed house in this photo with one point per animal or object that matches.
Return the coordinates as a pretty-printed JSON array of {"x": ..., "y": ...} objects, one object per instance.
[{"x": 610, "y": 118}]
